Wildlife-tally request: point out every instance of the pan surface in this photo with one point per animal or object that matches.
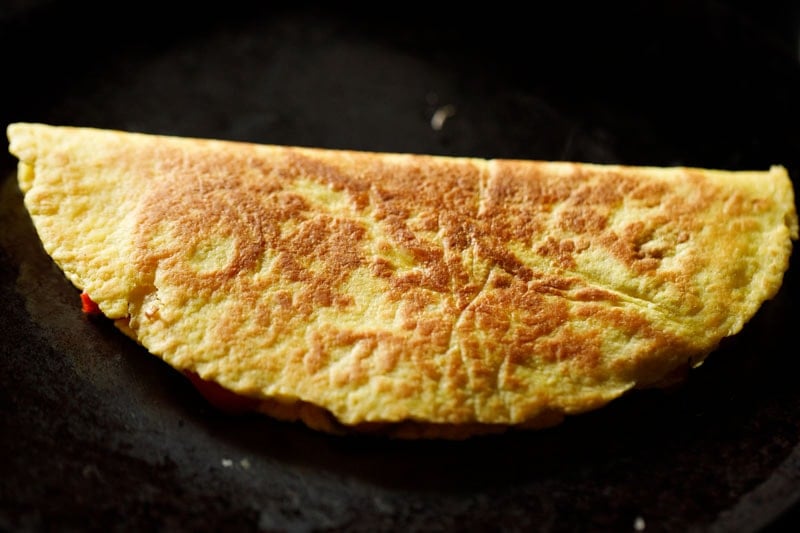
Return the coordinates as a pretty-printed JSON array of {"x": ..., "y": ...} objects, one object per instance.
[{"x": 96, "y": 434}]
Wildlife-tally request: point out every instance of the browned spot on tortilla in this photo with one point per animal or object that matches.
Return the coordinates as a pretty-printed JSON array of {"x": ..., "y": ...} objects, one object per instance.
[{"x": 453, "y": 221}]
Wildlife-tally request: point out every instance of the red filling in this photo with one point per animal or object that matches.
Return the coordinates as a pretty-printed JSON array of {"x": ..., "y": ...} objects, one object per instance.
[
  {"x": 220, "y": 397},
  {"x": 88, "y": 305}
]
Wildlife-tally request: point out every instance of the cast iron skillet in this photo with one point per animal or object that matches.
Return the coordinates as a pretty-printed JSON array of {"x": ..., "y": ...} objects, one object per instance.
[{"x": 96, "y": 434}]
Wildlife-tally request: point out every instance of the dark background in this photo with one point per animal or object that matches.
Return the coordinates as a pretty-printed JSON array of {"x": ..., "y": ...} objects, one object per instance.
[{"x": 95, "y": 434}]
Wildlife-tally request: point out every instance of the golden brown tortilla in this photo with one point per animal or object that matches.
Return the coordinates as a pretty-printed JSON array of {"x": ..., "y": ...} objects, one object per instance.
[{"x": 409, "y": 294}]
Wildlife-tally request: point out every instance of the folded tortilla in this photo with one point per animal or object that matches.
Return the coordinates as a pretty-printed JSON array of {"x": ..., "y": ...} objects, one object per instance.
[{"x": 413, "y": 295}]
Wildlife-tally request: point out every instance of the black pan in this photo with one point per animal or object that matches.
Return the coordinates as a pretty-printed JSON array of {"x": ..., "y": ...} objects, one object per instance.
[{"x": 96, "y": 434}]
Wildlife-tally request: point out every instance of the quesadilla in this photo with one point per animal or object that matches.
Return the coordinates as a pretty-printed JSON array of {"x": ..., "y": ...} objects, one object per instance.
[{"x": 412, "y": 295}]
